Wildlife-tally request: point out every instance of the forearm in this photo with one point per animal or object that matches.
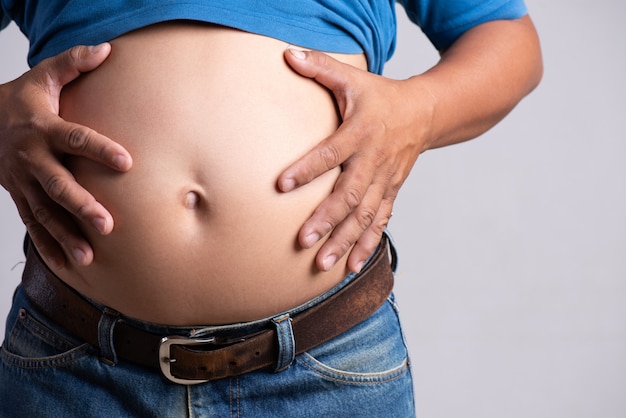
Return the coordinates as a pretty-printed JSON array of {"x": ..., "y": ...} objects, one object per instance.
[{"x": 479, "y": 80}]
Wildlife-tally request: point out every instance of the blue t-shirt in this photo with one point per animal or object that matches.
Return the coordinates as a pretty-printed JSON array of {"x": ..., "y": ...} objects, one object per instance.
[{"x": 345, "y": 26}]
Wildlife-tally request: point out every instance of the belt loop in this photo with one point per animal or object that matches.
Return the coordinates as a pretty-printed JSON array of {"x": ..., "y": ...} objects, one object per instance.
[
  {"x": 286, "y": 342},
  {"x": 106, "y": 326}
]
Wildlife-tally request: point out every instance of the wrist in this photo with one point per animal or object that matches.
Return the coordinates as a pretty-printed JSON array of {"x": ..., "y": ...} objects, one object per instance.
[{"x": 423, "y": 105}]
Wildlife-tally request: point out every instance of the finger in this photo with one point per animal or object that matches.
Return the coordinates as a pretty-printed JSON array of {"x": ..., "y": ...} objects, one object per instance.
[
  {"x": 327, "y": 155},
  {"x": 346, "y": 234},
  {"x": 85, "y": 142},
  {"x": 335, "y": 149},
  {"x": 47, "y": 247},
  {"x": 65, "y": 67},
  {"x": 53, "y": 232},
  {"x": 370, "y": 238},
  {"x": 327, "y": 71},
  {"x": 61, "y": 186},
  {"x": 350, "y": 188}
]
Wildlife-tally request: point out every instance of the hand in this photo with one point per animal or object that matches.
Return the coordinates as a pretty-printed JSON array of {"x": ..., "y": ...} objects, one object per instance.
[
  {"x": 388, "y": 123},
  {"x": 33, "y": 142},
  {"x": 376, "y": 146}
]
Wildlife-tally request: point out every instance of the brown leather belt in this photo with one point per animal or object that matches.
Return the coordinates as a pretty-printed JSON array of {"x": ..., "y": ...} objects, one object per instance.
[{"x": 189, "y": 360}]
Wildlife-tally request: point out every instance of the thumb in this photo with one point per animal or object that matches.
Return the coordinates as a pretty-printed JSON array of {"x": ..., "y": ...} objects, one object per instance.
[
  {"x": 321, "y": 67},
  {"x": 68, "y": 65}
]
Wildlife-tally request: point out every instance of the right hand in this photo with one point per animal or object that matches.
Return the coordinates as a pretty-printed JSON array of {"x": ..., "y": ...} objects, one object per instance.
[{"x": 33, "y": 143}]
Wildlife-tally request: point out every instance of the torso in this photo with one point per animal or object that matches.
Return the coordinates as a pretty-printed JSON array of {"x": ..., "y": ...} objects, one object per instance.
[{"x": 211, "y": 117}]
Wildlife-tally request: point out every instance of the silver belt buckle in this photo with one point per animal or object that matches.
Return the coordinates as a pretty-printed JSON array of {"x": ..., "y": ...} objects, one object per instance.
[{"x": 166, "y": 360}]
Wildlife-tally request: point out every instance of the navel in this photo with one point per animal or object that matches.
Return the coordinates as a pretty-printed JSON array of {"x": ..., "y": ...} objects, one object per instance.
[{"x": 192, "y": 200}]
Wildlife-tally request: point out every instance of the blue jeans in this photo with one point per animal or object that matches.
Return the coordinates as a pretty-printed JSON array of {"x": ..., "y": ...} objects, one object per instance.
[{"x": 46, "y": 372}]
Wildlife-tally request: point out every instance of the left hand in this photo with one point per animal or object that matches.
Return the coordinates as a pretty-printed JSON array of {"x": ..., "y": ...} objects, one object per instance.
[{"x": 382, "y": 133}]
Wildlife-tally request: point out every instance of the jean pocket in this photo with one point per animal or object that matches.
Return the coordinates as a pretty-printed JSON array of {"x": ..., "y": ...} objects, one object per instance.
[
  {"x": 32, "y": 343},
  {"x": 371, "y": 352}
]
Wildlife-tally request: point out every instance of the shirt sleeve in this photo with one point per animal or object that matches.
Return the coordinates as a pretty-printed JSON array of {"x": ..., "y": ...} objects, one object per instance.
[{"x": 444, "y": 21}]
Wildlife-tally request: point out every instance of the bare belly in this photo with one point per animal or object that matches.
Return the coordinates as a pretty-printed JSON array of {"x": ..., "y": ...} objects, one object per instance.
[{"x": 211, "y": 117}]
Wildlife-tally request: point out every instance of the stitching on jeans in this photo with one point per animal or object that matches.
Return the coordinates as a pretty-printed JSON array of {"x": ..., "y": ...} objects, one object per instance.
[
  {"x": 353, "y": 378},
  {"x": 230, "y": 398},
  {"x": 43, "y": 332},
  {"x": 234, "y": 403},
  {"x": 238, "y": 399},
  {"x": 189, "y": 409}
]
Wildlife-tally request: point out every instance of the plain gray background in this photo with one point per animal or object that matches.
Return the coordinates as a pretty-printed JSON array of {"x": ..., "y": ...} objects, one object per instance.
[{"x": 512, "y": 278}]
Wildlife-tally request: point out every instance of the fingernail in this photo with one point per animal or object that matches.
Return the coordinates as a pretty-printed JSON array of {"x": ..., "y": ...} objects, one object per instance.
[
  {"x": 311, "y": 239},
  {"x": 100, "y": 224},
  {"x": 329, "y": 262},
  {"x": 359, "y": 266},
  {"x": 79, "y": 255},
  {"x": 121, "y": 162},
  {"x": 298, "y": 54},
  {"x": 288, "y": 185},
  {"x": 94, "y": 49}
]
